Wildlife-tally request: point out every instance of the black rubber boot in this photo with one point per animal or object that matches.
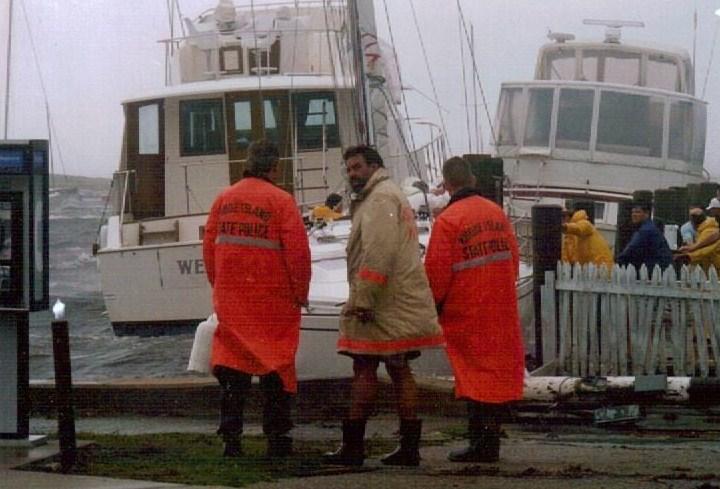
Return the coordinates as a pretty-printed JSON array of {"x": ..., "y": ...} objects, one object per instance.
[
  {"x": 279, "y": 446},
  {"x": 484, "y": 444},
  {"x": 407, "y": 453},
  {"x": 352, "y": 450},
  {"x": 233, "y": 446}
]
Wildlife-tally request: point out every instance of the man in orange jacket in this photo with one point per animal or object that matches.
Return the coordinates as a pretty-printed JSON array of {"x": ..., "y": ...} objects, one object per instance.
[
  {"x": 258, "y": 262},
  {"x": 472, "y": 265}
]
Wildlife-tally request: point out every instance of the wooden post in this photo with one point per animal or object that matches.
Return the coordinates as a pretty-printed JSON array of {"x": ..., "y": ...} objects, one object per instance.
[
  {"x": 63, "y": 393},
  {"x": 547, "y": 243}
]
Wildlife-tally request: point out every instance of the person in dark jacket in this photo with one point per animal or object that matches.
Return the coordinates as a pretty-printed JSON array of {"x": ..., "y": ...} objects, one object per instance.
[{"x": 647, "y": 246}]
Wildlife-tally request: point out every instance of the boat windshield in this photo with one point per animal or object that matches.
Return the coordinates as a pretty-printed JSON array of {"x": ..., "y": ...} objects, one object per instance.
[{"x": 617, "y": 65}]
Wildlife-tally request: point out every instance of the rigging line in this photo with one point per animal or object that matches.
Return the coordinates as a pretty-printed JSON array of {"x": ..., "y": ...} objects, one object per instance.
[
  {"x": 478, "y": 129},
  {"x": 402, "y": 92},
  {"x": 427, "y": 66},
  {"x": 712, "y": 54},
  {"x": 340, "y": 21},
  {"x": 329, "y": 46},
  {"x": 8, "y": 79},
  {"x": 405, "y": 145},
  {"x": 413, "y": 163},
  {"x": 51, "y": 126},
  {"x": 465, "y": 91},
  {"x": 477, "y": 77},
  {"x": 180, "y": 17}
]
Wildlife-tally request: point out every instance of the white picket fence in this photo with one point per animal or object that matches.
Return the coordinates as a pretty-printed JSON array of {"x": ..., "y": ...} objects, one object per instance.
[{"x": 597, "y": 321}]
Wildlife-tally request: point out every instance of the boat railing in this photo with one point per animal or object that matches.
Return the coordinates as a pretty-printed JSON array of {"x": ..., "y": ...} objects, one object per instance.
[
  {"x": 426, "y": 161},
  {"x": 599, "y": 121}
]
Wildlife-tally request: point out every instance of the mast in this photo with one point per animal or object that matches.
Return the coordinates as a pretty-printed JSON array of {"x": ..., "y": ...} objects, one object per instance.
[
  {"x": 8, "y": 58},
  {"x": 358, "y": 20}
]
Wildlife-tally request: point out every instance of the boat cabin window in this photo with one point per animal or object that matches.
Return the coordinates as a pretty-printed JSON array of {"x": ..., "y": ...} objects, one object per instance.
[
  {"x": 271, "y": 114},
  {"x": 149, "y": 129},
  {"x": 560, "y": 65},
  {"x": 511, "y": 110},
  {"x": 537, "y": 129},
  {"x": 231, "y": 59},
  {"x": 630, "y": 124},
  {"x": 687, "y": 129},
  {"x": 243, "y": 124},
  {"x": 202, "y": 130},
  {"x": 264, "y": 61},
  {"x": 611, "y": 66},
  {"x": 662, "y": 73},
  {"x": 574, "y": 124},
  {"x": 313, "y": 111}
]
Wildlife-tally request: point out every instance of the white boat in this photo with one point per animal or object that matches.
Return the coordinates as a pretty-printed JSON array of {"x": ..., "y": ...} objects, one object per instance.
[{"x": 599, "y": 121}]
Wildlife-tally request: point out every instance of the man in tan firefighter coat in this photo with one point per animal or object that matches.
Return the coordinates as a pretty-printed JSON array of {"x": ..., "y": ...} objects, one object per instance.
[{"x": 389, "y": 316}]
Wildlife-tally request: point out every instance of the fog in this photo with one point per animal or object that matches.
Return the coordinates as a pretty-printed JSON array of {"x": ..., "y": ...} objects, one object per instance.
[{"x": 91, "y": 55}]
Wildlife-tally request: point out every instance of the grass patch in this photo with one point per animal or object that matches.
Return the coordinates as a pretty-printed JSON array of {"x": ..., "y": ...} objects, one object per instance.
[{"x": 197, "y": 459}]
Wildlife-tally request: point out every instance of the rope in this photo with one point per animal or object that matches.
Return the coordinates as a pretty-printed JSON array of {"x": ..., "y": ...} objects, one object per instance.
[
  {"x": 427, "y": 66},
  {"x": 402, "y": 92},
  {"x": 51, "y": 126},
  {"x": 465, "y": 92},
  {"x": 477, "y": 76},
  {"x": 712, "y": 54}
]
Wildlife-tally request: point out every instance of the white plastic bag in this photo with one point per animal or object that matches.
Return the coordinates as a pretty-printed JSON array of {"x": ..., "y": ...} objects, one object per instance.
[{"x": 202, "y": 346}]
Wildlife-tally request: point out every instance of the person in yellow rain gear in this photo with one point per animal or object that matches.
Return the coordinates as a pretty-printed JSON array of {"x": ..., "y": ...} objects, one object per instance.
[
  {"x": 591, "y": 246},
  {"x": 330, "y": 211},
  {"x": 569, "y": 241},
  {"x": 706, "y": 229}
]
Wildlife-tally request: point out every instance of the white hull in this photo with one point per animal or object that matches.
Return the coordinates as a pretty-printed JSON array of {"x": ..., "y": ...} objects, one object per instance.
[{"x": 174, "y": 296}]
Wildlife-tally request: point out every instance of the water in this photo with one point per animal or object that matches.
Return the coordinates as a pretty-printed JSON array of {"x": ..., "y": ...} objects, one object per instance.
[{"x": 95, "y": 351}]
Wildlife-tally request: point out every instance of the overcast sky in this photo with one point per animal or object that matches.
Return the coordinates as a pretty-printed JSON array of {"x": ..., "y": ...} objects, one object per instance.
[{"x": 95, "y": 53}]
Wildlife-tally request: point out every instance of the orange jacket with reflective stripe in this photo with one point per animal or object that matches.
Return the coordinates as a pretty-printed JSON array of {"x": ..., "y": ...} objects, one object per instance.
[
  {"x": 472, "y": 265},
  {"x": 257, "y": 259},
  {"x": 386, "y": 275}
]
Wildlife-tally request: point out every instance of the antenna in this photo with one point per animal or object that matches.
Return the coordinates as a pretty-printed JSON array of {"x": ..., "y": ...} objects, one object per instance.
[{"x": 613, "y": 27}]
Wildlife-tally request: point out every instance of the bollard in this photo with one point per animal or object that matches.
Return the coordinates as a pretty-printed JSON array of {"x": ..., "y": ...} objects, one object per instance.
[
  {"x": 488, "y": 172},
  {"x": 63, "y": 393},
  {"x": 643, "y": 196},
  {"x": 625, "y": 226},
  {"x": 547, "y": 245},
  {"x": 585, "y": 205}
]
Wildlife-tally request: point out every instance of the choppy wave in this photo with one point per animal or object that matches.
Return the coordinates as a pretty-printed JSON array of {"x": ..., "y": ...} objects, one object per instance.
[{"x": 96, "y": 352}]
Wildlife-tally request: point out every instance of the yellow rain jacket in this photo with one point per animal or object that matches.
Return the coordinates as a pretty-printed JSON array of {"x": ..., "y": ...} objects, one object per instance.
[
  {"x": 591, "y": 246},
  {"x": 709, "y": 255}
]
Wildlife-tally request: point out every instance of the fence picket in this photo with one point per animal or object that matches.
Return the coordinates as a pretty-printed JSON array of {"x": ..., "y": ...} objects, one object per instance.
[
  {"x": 714, "y": 329},
  {"x": 549, "y": 326},
  {"x": 615, "y": 321}
]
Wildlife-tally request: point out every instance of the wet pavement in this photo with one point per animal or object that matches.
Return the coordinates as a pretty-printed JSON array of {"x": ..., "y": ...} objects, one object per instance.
[{"x": 534, "y": 456}]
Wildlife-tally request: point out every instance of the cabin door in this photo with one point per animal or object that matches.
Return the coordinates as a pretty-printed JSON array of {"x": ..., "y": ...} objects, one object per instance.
[
  {"x": 145, "y": 149},
  {"x": 11, "y": 252},
  {"x": 251, "y": 117}
]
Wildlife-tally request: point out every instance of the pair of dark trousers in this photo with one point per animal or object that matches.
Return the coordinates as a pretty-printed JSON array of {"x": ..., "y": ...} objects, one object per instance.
[{"x": 235, "y": 387}]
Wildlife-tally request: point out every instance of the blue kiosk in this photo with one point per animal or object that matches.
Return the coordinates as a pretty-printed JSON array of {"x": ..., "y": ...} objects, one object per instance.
[{"x": 24, "y": 278}]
